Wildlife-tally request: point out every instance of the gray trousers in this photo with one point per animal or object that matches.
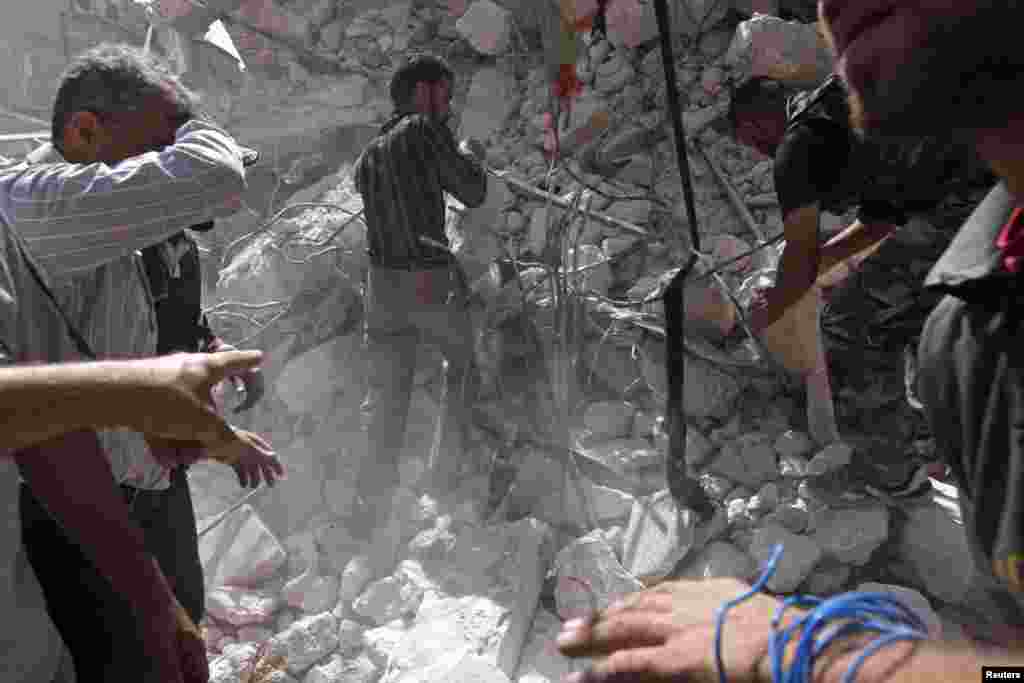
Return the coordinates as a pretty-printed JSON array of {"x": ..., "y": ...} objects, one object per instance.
[{"x": 406, "y": 308}]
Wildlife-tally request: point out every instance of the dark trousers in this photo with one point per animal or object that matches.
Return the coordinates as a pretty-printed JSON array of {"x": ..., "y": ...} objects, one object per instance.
[
  {"x": 404, "y": 309},
  {"x": 97, "y": 624}
]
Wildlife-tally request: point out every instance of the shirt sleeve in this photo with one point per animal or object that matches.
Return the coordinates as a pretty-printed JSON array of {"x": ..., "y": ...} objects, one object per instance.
[
  {"x": 75, "y": 217},
  {"x": 462, "y": 175},
  {"x": 808, "y": 164}
]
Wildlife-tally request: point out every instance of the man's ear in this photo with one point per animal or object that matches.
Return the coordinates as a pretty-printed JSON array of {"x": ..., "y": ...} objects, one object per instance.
[{"x": 81, "y": 136}]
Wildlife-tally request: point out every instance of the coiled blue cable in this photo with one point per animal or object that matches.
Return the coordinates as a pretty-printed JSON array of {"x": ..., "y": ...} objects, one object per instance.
[{"x": 880, "y": 613}]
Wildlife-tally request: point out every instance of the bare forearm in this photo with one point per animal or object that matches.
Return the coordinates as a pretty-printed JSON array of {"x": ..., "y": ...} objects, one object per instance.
[
  {"x": 853, "y": 241},
  {"x": 924, "y": 662},
  {"x": 42, "y": 402}
]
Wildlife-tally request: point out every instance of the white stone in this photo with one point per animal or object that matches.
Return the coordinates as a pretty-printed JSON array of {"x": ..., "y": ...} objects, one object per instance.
[
  {"x": 658, "y": 536},
  {"x": 852, "y": 535},
  {"x": 718, "y": 560},
  {"x": 912, "y": 599},
  {"x": 382, "y": 641},
  {"x": 312, "y": 593},
  {"x": 254, "y": 634},
  {"x": 388, "y": 599},
  {"x": 609, "y": 419},
  {"x": 799, "y": 556},
  {"x": 590, "y": 577},
  {"x": 306, "y": 641},
  {"x": 486, "y": 26},
  {"x": 766, "y": 499},
  {"x": 829, "y": 459},
  {"x": 340, "y": 669},
  {"x": 241, "y": 551},
  {"x": 541, "y": 662},
  {"x": 752, "y": 465},
  {"x": 241, "y": 606},
  {"x": 494, "y": 621},
  {"x": 793, "y": 443}
]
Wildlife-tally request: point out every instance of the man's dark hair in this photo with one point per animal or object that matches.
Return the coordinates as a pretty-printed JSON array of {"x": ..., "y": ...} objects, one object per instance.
[
  {"x": 756, "y": 97},
  {"x": 112, "y": 78},
  {"x": 425, "y": 68}
]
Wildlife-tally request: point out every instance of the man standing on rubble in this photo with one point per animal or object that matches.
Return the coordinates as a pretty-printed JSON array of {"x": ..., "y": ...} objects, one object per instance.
[
  {"x": 821, "y": 164},
  {"x": 416, "y": 291}
]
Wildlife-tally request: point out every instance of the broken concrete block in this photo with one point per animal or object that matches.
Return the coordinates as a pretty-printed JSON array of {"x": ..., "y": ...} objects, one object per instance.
[
  {"x": 852, "y": 535},
  {"x": 793, "y": 443},
  {"x": 242, "y": 551},
  {"x": 486, "y": 26},
  {"x": 609, "y": 419},
  {"x": 312, "y": 593},
  {"x": 387, "y": 599},
  {"x": 590, "y": 577},
  {"x": 718, "y": 560},
  {"x": 751, "y": 465},
  {"x": 829, "y": 459},
  {"x": 491, "y": 100},
  {"x": 787, "y": 51},
  {"x": 339, "y": 669},
  {"x": 233, "y": 663},
  {"x": 242, "y": 606},
  {"x": 658, "y": 536},
  {"x": 306, "y": 642},
  {"x": 382, "y": 641},
  {"x": 799, "y": 556}
]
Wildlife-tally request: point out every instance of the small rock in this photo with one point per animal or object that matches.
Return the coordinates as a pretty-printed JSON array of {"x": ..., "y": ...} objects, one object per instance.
[
  {"x": 793, "y": 466},
  {"x": 752, "y": 465},
  {"x": 716, "y": 486},
  {"x": 829, "y": 459},
  {"x": 799, "y": 556},
  {"x": 850, "y": 536},
  {"x": 718, "y": 560},
  {"x": 766, "y": 499},
  {"x": 590, "y": 577},
  {"x": 357, "y": 574},
  {"x": 827, "y": 580},
  {"x": 609, "y": 419},
  {"x": 339, "y": 669},
  {"x": 306, "y": 642},
  {"x": 350, "y": 637},
  {"x": 793, "y": 443},
  {"x": 388, "y": 599},
  {"x": 658, "y": 536},
  {"x": 241, "y": 606}
]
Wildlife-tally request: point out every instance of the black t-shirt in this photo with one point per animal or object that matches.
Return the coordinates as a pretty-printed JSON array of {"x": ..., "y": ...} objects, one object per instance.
[{"x": 812, "y": 166}]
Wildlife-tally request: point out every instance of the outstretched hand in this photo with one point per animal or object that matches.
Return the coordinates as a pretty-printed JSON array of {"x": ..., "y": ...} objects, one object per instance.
[{"x": 667, "y": 633}]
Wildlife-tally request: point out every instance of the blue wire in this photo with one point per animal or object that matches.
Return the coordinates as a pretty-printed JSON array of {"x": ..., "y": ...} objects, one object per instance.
[{"x": 880, "y": 613}]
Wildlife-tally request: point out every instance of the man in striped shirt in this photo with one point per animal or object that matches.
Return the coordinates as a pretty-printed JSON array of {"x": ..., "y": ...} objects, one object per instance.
[
  {"x": 130, "y": 165},
  {"x": 416, "y": 290}
]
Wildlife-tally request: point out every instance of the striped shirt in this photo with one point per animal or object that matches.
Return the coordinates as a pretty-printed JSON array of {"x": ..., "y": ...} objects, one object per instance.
[
  {"x": 84, "y": 225},
  {"x": 402, "y": 176}
]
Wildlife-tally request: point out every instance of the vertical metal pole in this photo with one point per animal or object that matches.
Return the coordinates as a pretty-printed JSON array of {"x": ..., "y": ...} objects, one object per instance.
[{"x": 684, "y": 490}]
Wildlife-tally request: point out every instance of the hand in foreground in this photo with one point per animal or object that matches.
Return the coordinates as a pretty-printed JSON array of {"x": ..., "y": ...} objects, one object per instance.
[
  {"x": 251, "y": 457},
  {"x": 250, "y": 382},
  {"x": 667, "y": 633},
  {"x": 176, "y": 403}
]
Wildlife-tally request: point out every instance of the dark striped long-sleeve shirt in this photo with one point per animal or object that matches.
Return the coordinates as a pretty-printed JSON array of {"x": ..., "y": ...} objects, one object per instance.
[
  {"x": 83, "y": 224},
  {"x": 402, "y": 176}
]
